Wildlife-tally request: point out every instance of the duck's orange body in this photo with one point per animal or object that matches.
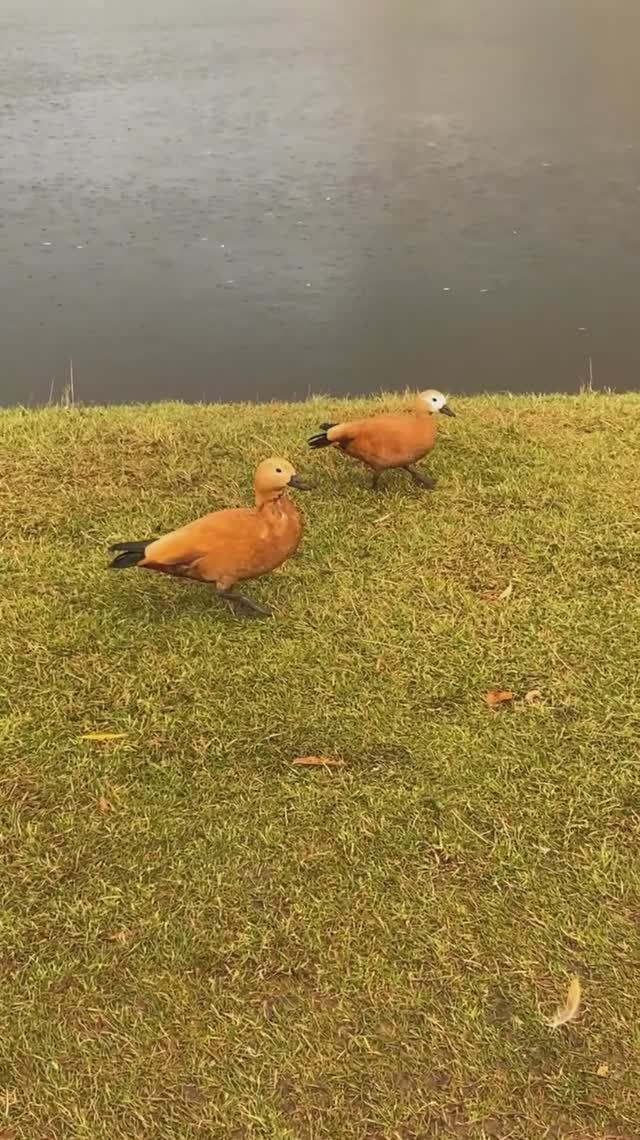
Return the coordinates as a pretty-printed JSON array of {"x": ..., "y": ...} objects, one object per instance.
[
  {"x": 387, "y": 441},
  {"x": 229, "y": 546}
]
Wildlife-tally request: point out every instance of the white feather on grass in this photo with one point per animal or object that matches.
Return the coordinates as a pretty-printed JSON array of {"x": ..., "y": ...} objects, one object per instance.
[{"x": 568, "y": 1011}]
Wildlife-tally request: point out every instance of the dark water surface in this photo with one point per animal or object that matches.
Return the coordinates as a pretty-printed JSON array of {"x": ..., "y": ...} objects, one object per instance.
[{"x": 258, "y": 198}]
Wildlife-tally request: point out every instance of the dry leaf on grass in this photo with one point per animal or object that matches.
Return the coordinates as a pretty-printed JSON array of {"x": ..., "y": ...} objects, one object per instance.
[
  {"x": 497, "y": 697},
  {"x": 103, "y": 736},
  {"x": 104, "y": 805},
  {"x": 193, "y": 1094},
  {"x": 602, "y": 1070},
  {"x": 317, "y": 762},
  {"x": 503, "y": 596},
  {"x": 120, "y": 936},
  {"x": 569, "y": 1010},
  {"x": 532, "y": 696}
]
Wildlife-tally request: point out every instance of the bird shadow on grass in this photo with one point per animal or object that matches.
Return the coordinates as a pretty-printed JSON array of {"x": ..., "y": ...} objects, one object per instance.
[{"x": 199, "y": 600}]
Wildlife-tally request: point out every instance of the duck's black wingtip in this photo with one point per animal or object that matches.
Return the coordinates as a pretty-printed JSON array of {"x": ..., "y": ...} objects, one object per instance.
[
  {"x": 128, "y": 553},
  {"x": 321, "y": 440},
  {"x": 125, "y": 560}
]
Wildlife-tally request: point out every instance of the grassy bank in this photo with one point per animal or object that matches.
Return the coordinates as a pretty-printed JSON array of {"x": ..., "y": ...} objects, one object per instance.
[{"x": 200, "y": 940}]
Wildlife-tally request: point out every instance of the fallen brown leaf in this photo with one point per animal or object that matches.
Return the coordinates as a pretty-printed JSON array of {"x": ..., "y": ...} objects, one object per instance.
[
  {"x": 497, "y": 697},
  {"x": 103, "y": 736},
  {"x": 103, "y": 804},
  {"x": 193, "y": 1094},
  {"x": 8, "y": 1134},
  {"x": 569, "y": 1010},
  {"x": 532, "y": 696},
  {"x": 317, "y": 762},
  {"x": 493, "y": 597},
  {"x": 602, "y": 1070},
  {"x": 121, "y": 936}
]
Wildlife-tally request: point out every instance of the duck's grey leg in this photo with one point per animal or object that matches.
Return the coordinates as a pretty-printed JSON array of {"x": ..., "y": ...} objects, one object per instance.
[
  {"x": 425, "y": 481},
  {"x": 242, "y": 606}
]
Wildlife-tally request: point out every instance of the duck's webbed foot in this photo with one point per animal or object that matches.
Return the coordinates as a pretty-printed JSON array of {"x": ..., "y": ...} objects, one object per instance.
[
  {"x": 422, "y": 480},
  {"x": 242, "y": 606}
]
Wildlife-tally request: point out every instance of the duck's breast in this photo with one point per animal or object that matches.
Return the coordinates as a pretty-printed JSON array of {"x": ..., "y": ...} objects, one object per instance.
[
  {"x": 285, "y": 527},
  {"x": 269, "y": 536}
]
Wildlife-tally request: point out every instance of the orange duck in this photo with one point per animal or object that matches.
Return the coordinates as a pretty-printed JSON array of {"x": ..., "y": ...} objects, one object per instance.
[
  {"x": 229, "y": 546},
  {"x": 387, "y": 441}
]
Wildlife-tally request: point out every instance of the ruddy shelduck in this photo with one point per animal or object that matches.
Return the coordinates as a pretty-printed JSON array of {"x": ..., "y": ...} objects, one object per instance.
[
  {"x": 387, "y": 441},
  {"x": 229, "y": 546}
]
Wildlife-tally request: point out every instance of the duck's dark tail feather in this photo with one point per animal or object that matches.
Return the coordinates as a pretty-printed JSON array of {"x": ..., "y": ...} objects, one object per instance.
[
  {"x": 130, "y": 553},
  {"x": 321, "y": 440}
]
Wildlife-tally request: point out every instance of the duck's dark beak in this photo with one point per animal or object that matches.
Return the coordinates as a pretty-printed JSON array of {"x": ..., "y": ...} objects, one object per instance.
[
  {"x": 298, "y": 483},
  {"x": 446, "y": 411}
]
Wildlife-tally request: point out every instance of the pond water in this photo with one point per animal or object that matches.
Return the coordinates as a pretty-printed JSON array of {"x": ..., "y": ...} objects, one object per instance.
[{"x": 248, "y": 199}]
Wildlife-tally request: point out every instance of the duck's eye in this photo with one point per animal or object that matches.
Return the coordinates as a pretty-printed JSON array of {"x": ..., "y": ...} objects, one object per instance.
[
  {"x": 278, "y": 471},
  {"x": 434, "y": 399}
]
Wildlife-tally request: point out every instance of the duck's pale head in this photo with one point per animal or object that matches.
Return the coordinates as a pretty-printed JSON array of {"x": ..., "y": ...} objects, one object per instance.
[
  {"x": 435, "y": 402},
  {"x": 274, "y": 476}
]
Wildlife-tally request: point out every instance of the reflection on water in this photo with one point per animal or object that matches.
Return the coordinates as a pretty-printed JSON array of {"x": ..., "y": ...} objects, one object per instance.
[{"x": 256, "y": 200}]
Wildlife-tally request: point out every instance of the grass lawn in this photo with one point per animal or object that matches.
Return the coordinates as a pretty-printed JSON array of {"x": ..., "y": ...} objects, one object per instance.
[{"x": 201, "y": 940}]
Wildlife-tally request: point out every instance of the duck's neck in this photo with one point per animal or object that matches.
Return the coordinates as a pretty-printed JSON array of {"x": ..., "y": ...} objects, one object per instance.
[
  {"x": 270, "y": 498},
  {"x": 420, "y": 408}
]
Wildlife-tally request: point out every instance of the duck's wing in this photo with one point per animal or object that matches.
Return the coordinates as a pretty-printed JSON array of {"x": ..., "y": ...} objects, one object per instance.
[
  {"x": 337, "y": 434},
  {"x": 216, "y": 531}
]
